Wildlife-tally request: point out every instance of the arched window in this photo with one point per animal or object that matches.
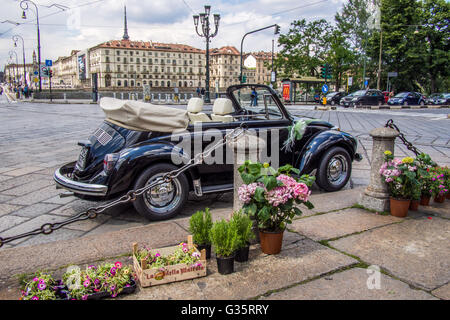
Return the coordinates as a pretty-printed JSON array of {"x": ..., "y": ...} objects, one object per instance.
[
  {"x": 162, "y": 83},
  {"x": 125, "y": 83},
  {"x": 156, "y": 83},
  {"x": 119, "y": 83},
  {"x": 132, "y": 83},
  {"x": 168, "y": 84}
]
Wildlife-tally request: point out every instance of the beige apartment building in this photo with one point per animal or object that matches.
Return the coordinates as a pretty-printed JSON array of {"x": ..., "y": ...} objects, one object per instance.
[
  {"x": 128, "y": 64},
  {"x": 65, "y": 72}
]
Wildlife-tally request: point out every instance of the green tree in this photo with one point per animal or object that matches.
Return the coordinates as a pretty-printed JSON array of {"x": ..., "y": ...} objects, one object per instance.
[
  {"x": 435, "y": 34},
  {"x": 304, "y": 48}
]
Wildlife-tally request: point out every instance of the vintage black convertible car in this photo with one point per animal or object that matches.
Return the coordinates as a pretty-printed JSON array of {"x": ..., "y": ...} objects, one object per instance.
[{"x": 136, "y": 142}]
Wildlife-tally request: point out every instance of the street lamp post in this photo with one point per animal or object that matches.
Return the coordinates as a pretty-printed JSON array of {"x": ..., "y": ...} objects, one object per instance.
[
  {"x": 205, "y": 32},
  {"x": 16, "y": 71},
  {"x": 15, "y": 39},
  {"x": 24, "y": 6},
  {"x": 277, "y": 30}
]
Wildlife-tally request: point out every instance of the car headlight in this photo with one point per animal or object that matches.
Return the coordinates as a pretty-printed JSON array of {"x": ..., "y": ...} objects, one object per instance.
[{"x": 354, "y": 99}]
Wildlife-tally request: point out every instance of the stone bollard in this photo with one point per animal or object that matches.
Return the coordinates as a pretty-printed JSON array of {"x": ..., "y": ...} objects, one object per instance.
[
  {"x": 65, "y": 97},
  {"x": 376, "y": 195},
  {"x": 114, "y": 95},
  {"x": 247, "y": 147}
]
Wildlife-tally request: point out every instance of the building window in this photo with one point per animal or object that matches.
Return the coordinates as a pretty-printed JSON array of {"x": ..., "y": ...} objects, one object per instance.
[{"x": 119, "y": 83}]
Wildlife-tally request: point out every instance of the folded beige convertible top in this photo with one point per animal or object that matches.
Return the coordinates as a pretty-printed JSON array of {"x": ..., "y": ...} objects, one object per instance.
[{"x": 142, "y": 116}]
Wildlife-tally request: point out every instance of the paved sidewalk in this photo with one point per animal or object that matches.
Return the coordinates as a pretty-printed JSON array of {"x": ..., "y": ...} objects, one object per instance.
[{"x": 325, "y": 255}]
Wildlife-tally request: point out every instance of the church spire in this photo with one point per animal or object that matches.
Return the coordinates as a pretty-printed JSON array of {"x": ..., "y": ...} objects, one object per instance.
[{"x": 125, "y": 31}]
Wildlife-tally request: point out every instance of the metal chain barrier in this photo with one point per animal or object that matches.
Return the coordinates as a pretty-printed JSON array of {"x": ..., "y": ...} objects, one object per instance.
[
  {"x": 130, "y": 196},
  {"x": 409, "y": 145}
]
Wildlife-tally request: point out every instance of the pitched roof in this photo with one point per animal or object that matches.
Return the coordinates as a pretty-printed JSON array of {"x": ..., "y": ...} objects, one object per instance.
[
  {"x": 148, "y": 45},
  {"x": 228, "y": 50}
]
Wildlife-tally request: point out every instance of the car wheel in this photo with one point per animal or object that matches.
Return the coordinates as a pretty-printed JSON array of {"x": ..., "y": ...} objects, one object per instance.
[
  {"x": 405, "y": 103},
  {"x": 380, "y": 103},
  {"x": 333, "y": 103},
  {"x": 163, "y": 201},
  {"x": 422, "y": 103},
  {"x": 334, "y": 169}
]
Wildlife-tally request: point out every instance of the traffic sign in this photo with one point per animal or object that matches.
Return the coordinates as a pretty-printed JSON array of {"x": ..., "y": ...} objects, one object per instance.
[
  {"x": 35, "y": 73},
  {"x": 324, "y": 88},
  {"x": 366, "y": 83},
  {"x": 350, "y": 81},
  {"x": 48, "y": 63},
  {"x": 392, "y": 74}
]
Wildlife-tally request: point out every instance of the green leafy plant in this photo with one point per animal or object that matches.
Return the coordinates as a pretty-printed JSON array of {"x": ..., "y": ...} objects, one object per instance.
[
  {"x": 109, "y": 277},
  {"x": 200, "y": 225},
  {"x": 243, "y": 224},
  {"x": 424, "y": 165},
  {"x": 271, "y": 195},
  {"x": 224, "y": 237},
  {"x": 439, "y": 176},
  {"x": 181, "y": 255},
  {"x": 41, "y": 287}
]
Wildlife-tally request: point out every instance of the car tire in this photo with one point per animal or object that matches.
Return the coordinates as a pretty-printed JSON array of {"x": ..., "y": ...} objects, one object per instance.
[
  {"x": 422, "y": 103},
  {"x": 334, "y": 169},
  {"x": 405, "y": 103},
  {"x": 168, "y": 203},
  {"x": 380, "y": 103},
  {"x": 333, "y": 103}
]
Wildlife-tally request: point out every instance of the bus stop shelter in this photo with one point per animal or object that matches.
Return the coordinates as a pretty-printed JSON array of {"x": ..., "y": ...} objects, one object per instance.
[{"x": 310, "y": 81}]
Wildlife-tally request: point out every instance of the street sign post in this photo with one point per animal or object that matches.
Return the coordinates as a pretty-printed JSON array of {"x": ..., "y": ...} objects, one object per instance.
[
  {"x": 324, "y": 88},
  {"x": 48, "y": 63}
]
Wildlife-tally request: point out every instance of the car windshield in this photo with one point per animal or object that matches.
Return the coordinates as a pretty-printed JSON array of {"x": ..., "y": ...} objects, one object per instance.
[
  {"x": 257, "y": 102},
  {"x": 359, "y": 93},
  {"x": 401, "y": 94},
  {"x": 435, "y": 95},
  {"x": 331, "y": 95}
]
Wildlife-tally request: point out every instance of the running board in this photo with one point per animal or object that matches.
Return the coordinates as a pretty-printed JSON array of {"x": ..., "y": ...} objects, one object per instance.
[{"x": 218, "y": 188}]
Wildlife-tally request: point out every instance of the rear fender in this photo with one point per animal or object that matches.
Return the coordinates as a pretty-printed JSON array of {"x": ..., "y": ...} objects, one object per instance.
[{"x": 317, "y": 145}]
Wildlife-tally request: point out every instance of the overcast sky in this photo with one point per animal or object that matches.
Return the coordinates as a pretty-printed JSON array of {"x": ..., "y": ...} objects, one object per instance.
[{"x": 85, "y": 23}]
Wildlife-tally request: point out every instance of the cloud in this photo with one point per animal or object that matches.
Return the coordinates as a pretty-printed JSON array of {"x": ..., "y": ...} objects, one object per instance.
[{"x": 156, "y": 20}]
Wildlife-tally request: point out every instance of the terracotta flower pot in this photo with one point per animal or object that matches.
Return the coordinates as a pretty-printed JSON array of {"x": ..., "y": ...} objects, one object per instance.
[
  {"x": 414, "y": 205},
  {"x": 439, "y": 198},
  {"x": 271, "y": 242},
  {"x": 399, "y": 207},
  {"x": 425, "y": 200}
]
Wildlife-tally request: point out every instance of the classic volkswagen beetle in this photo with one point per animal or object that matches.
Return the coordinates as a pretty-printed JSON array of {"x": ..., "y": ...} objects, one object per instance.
[{"x": 136, "y": 142}]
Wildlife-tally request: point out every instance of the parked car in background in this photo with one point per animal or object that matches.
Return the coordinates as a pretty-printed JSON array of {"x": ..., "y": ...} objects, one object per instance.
[
  {"x": 361, "y": 98},
  {"x": 438, "y": 98},
  {"x": 345, "y": 101},
  {"x": 407, "y": 99},
  {"x": 334, "y": 98}
]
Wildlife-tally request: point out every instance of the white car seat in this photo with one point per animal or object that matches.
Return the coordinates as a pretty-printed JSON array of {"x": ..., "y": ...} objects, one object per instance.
[
  {"x": 195, "y": 105},
  {"x": 221, "y": 110}
]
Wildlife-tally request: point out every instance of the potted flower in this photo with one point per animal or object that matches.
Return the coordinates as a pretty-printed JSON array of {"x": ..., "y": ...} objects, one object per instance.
[
  {"x": 271, "y": 197},
  {"x": 96, "y": 282},
  {"x": 438, "y": 185},
  {"x": 200, "y": 225},
  {"x": 224, "y": 238},
  {"x": 424, "y": 165},
  {"x": 243, "y": 224},
  {"x": 401, "y": 178},
  {"x": 41, "y": 287}
]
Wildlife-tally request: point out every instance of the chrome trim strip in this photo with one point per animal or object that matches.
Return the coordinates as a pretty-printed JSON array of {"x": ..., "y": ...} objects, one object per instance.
[{"x": 78, "y": 187}]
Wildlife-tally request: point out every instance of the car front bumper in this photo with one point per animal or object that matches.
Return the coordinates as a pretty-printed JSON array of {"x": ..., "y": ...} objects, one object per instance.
[{"x": 63, "y": 181}]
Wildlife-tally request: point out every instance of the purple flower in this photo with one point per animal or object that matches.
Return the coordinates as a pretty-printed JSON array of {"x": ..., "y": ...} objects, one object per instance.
[
  {"x": 86, "y": 283},
  {"x": 41, "y": 286},
  {"x": 92, "y": 267},
  {"x": 35, "y": 279},
  {"x": 113, "y": 271},
  {"x": 35, "y": 298},
  {"x": 84, "y": 297},
  {"x": 157, "y": 255},
  {"x": 113, "y": 288}
]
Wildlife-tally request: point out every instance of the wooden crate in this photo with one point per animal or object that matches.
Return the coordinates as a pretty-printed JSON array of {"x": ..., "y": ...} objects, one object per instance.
[{"x": 177, "y": 272}]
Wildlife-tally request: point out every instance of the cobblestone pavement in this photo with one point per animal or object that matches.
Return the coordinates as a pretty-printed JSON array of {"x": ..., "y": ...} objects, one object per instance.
[{"x": 37, "y": 138}]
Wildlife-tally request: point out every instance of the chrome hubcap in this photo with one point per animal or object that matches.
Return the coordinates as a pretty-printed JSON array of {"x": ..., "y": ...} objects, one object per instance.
[
  {"x": 337, "y": 170},
  {"x": 164, "y": 197}
]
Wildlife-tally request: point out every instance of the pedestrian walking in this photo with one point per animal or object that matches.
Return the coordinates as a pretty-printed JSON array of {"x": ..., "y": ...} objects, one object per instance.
[
  {"x": 202, "y": 92},
  {"x": 26, "y": 91},
  {"x": 198, "y": 92},
  {"x": 254, "y": 98}
]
